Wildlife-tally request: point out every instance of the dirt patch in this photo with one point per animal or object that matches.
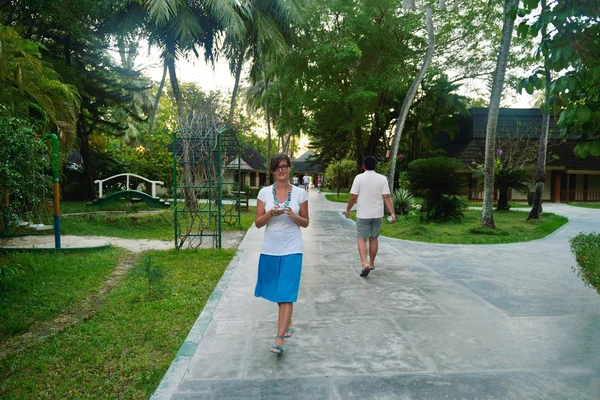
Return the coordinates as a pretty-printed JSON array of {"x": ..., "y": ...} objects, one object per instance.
[{"x": 229, "y": 240}]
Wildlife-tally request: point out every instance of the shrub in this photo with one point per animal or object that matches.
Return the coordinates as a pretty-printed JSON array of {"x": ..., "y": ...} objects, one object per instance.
[
  {"x": 438, "y": 181},
  {"x": 449, "y": 208},
  {"x": 586, "y": 248},
  {"x": 402, "y": 200},
  {"x": 339, "y": 174}
]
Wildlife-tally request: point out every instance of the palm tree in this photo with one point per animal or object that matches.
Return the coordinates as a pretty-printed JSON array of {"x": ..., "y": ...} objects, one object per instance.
[
  {"x": 412, "y": 91},
  {"x": 179, "y": 26},
  {"x": 540, "y": 172},
  {"x": 507, "y": 179},
  {"x": 30, "y": 88},
  {"x": 269, "y": 27},
  {"x": 487, "y": 216},
  {"x": 256, "y": 97}
]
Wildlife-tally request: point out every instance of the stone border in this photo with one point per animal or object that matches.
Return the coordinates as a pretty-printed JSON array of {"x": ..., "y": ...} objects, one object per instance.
[{"x": 178, "y": 368}]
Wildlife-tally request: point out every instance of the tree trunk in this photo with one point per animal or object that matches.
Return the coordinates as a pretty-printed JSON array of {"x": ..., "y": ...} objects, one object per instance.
[
  {"x": 409, "y": 98},
  {"x": 502, "y": 200},
  {"x": 487, "y": 213},
  {"x": 540, "y": 172},
  {"x": 360, "y": 153},
  {"x": 188, "y": 178},
  {"x": 170, "y": 61},
  {"x": 236, "y": 85},
  {"x": 84, "y": 149},
  {"x": 157, "y": 100},
  {"x": 267, "y": 117}
]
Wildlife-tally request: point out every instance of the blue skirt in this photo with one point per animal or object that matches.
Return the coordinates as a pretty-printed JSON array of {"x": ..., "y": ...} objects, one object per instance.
[{"x": 279, "y": 278}]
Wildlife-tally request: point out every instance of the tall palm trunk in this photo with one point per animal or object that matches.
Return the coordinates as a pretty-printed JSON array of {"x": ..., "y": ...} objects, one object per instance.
[
  {"x": 84, "y": 149},
  {"x": 487, "y": 216},
  {"x": 540, "y": 172},
  {"x": 170, "y": 61},
  {"x": 157, "y": 100},
  {"x": 236, "y": 85},
  {"x": 268, "y": 118},
  {"x": 188, "y": 177},
  {"x": 410, "y": 97}
]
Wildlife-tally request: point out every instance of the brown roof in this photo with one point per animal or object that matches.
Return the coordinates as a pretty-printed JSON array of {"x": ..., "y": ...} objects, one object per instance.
[{"x": 560, "y": 154}]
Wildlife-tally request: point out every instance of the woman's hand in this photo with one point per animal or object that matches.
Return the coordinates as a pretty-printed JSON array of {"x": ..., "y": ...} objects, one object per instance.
[
  {"x": 290, "y": 213},
  {"x": 275, "y": 211}
]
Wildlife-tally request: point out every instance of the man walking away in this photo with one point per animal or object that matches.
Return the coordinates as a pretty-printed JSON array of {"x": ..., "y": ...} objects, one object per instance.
[
  {"x": 306, "y": 181},
  {"x": 369, "y": 191}
]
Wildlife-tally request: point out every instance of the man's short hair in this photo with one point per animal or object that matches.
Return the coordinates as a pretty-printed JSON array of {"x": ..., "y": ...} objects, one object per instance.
[{"x": 370, "y": 163}]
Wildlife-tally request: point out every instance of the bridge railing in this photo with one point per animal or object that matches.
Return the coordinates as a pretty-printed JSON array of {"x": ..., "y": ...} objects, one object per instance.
[{"x": 100, "y": 183}]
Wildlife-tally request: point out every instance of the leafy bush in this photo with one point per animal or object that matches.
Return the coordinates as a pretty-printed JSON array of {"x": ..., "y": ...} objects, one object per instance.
[
  {"x": 402, "y": 200},
  {"x": 586, "y": 248},
  {"x": 438, "y": 181},
  {"x": 449, "y": 208},
  {"x": 23, "y": 161},
  {"x": 339, "y": 174}
]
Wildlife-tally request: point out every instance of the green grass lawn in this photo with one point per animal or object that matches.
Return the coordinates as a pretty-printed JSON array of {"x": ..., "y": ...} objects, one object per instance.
[
  {"x": 585, "y": 205},
  {"x": 513, "y": 204},
  {"x": 136, "y": 226},
  {"x": 124, "y": 350},
  {"x": 511, "y": 227},
  {"x": 342, "y": 198},
  {"x": 69, "y": 207},
  {"x": 40, "y": 286}
]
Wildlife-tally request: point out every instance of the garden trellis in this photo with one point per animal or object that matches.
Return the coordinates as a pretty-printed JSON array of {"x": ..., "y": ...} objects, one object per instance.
[{"x": 203, "y": 200}]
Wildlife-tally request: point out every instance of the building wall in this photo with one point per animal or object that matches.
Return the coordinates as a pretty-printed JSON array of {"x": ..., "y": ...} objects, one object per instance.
[{"x": 593, "y": 182}]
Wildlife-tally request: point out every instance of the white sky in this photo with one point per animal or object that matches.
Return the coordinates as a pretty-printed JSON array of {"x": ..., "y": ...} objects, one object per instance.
[
  {"x": 220, "y": 78},
  {"x": 190, "y": 71}
]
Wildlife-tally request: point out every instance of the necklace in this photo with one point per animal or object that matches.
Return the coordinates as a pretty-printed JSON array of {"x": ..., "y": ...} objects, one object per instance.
[{"x": 287, "y": 201}]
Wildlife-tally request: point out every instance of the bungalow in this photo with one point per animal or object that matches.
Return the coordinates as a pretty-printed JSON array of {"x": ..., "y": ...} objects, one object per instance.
[
  {"x": 253, "y": 169},
  {"x": 568, "y": 178},
  {"x": 307, "y": 164},
  {"x": 242, "y": 162}
]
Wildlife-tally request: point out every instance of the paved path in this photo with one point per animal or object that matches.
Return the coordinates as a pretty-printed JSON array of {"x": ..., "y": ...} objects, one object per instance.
[{"x": 431, "y": 322}]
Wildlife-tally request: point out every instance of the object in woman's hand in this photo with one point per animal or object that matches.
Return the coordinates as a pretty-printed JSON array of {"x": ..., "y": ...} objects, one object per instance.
[{"x": 389, "y": 218}]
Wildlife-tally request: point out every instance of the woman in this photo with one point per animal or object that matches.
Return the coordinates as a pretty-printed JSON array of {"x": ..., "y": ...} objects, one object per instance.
[{"x": 283, "y": 208}]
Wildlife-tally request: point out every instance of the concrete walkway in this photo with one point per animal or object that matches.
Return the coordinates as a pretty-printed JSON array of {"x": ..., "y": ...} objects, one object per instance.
[{"x": 430, "y": 322}]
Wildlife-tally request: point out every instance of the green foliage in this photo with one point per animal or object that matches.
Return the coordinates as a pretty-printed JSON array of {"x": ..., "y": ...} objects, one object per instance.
[
  {"x": 339, "y": 174},
  {"x": 507, "y": 179},
  {"x": 43, "y": 285},
  {"x": 31, "y": 88},
  {"x": 153, "y": 274},
  {"x": 402, "y": 200},
  {"x": 24, "y": 160},
  {"x": 586, "y": 249},
  {"x": 341, "y": 198},
  {"x": 512, "y": 227},
  {"x": 125, "y": 349},
  {"x": 438, "y": 181},
  {"x": 569, "y": 51}
]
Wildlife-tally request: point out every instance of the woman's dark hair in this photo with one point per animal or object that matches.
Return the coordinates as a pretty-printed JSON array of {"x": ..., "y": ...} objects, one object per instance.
[
  {"x": 277, "y": 159},
  {"x": 370, "y": 163}
]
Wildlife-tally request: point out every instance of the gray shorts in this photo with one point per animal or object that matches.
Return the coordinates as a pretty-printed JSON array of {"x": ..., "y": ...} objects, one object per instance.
[{"x": 368, "y": 227}]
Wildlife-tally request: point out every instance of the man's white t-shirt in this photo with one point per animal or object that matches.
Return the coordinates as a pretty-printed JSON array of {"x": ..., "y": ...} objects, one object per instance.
[
  {"x": 370, "y": 187},
  {"x": 306, "y": 180},
  {"x": 282, "y": 234}
]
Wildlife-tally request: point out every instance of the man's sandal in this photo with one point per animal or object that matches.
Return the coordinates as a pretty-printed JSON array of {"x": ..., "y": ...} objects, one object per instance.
[{"x": 277, "y": 349}]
